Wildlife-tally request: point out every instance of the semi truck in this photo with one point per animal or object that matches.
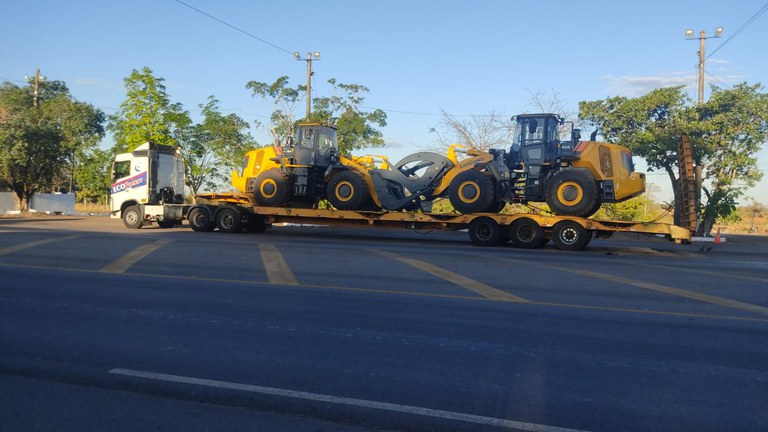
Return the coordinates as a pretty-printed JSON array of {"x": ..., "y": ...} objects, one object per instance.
[{"x": 306, "y": 181}]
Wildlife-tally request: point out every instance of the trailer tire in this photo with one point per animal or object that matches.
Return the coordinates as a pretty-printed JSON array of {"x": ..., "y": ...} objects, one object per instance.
[
  {"x": 228, "y": 220},
  {"x": 570, "y": 236},
  {"x": 484, "y": 231},
  {"x": 347, "y": 191},
  {"x": 573, "y": 192},
  {"x": 272, "y": 188},
  {"x": 472, "y": 192},
  {"x": 527, "y": 234},
  {"x": 200, "y": 219},
  {"x": 255, "y": 223},
  {"x": 132, "y": 217}
]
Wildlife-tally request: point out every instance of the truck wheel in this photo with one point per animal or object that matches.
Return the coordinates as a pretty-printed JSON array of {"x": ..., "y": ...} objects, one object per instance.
[
  {"x": 228, "y": 220},
  {"x": 167, "y": 223},
  {"x": 472, "y": 192},
  {"x": 273, "y": 188},
  {"x": 132, "y": 217},
  {"x": 570, "y": 236},
  {"x": 573, "y": 192},
  {"x": 347, "y": 191},
  {"x": 255, "y": 223},
  {"x": 200, "y": 220},
  {"x": 527, "y": 234},
  {"x": 484, "y": 231}
]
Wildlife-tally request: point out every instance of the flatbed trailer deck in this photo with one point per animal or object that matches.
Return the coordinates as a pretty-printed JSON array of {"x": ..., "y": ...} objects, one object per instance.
[{"x": 233, "y": 212}]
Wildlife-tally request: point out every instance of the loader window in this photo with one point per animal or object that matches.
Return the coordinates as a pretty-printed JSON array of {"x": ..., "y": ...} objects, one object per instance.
[{"x": 121, "y": 169}]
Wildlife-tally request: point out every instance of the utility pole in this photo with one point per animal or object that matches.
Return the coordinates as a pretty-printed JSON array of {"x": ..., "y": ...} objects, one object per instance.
[
  {"x": 310, "y": 58},
  {"x": 697, "y": 175},
  {"x": 35, "y": 85},
  {"x": 702, "y": 58}
]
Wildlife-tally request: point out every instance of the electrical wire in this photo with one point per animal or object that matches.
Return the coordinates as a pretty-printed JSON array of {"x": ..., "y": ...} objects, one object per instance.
[
  {"x": 754, "y": 17},
  {"x": 233, "y": 27}
]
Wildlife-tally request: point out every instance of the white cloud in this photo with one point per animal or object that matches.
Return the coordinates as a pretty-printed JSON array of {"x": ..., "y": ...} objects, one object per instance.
[{"x": 634, "y": 86}]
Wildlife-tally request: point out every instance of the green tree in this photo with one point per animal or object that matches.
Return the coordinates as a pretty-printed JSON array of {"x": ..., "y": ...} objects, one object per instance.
[
  {"x": 732, "y": 128},
  {"x": 357, "y": 128},
  {"x": 649, "y": 125},
  {"x": 144, "y": 115},
  {"x": 92, "y": 175},
  {"x": 42, "y": 135},
  {"x": 726, "y": 133},
  {"x": 210, "y": 148}
]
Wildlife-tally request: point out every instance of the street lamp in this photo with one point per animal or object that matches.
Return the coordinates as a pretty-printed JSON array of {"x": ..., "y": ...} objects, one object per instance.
[
  {"x": 702, "y": 37},
  {"x": 311, "y": 56}
]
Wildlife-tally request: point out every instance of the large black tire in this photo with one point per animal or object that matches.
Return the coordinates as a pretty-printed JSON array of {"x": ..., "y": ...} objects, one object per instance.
[
  {"x": 256, "y": 223},
  {"x": 573, "y": 192},
  {"x": 570, "y": 236},
  {"x": 132, "y": 217},
  {"x": 347, "y": 191},
  {"x": 527, "y": 234},
  {"x": 200, "y": 220},
  {"x": 484, "y": 231},
  {"x": 472, "y": 192},
  {"x": 273, "y": 188},
  {"x": 229, "y": 220},
  {"x": 166, "y": 223}
]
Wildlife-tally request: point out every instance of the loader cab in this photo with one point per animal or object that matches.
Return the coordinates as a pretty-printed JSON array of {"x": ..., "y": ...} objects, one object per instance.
[
  {"x": 315, "y": 144},
  {"x": 537, "y": 139}
]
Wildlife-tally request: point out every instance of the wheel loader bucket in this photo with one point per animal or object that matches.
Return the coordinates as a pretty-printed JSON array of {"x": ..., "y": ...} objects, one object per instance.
[{"x": 408, "y": 185}]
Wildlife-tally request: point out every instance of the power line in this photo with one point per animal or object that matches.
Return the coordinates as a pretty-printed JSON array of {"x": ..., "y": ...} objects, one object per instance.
[
  {"x": 13, "y": 80},
  {"x": 754, "y": 17},
  {"x": 233, "y": 27}
]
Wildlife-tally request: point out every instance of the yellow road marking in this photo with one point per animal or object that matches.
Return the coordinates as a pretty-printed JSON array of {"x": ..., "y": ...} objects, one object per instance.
[
  {"x": 454, "y": 278},
  {"x": 711, "y": 273},
  {"x": 396, "y": 292},
  {"x": 125, "y": 262},
  {"x": 278, "y": 271},
  {"x": 706, "y": 298},
  {"x": 19, "y": 247}
]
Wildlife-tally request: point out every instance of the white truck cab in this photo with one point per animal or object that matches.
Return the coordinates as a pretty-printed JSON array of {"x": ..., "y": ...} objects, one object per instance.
[{"x": 148, "y": 186}]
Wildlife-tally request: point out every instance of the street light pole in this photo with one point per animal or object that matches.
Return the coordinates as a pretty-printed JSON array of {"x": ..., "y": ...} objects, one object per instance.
[
  {"x": 310, "y": 58},
  {"x": 702, "y": 38}
]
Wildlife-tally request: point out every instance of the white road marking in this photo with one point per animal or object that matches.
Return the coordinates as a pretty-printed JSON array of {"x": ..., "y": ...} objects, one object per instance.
[{"x": 317, "y": 397}]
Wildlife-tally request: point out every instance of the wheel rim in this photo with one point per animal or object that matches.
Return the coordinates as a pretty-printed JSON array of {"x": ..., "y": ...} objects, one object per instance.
[
  {"x": 268, "y": 188},
  {"x": 344, "y": 191},
  {"x": 484, "y": 232},
  {"x": 199, "y": 220},
  {"x": 569, "y": 235},
  {"x": 132, "y": 217},
  {"x": 227, "y": 221},
  {"x": 526, "y": 233},
  {"x": 570, "y": 193},
  {"x": 469, "y": 192}
]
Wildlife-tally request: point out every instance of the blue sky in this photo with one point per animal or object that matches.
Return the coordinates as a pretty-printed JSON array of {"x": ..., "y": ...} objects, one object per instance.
[{"x": 418, "y": 58}]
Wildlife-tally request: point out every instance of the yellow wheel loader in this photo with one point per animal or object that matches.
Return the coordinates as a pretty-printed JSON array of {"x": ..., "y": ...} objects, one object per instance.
[{"x": 574, "y": 177}]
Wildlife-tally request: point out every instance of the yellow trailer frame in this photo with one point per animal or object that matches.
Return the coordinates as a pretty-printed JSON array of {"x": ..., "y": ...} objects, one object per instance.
[{"x": 527, "y": 230}]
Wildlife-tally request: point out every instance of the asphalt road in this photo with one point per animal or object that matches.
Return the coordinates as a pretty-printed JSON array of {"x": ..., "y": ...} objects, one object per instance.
[{"x": 327, "y": 329}]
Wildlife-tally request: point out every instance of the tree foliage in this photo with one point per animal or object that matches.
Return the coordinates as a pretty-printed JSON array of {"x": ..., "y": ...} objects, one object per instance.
[
  {"x": 210, "y": 149},
  {"x": 41, "y": 141},
  {"x": 726, "y": 132},
  {"x": 357, "y": 128}
]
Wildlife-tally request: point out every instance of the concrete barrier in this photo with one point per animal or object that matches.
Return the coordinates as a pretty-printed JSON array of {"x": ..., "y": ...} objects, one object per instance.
[
  {"x": 7, "y": 202},
  {"x": 53, "y": 203}
]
